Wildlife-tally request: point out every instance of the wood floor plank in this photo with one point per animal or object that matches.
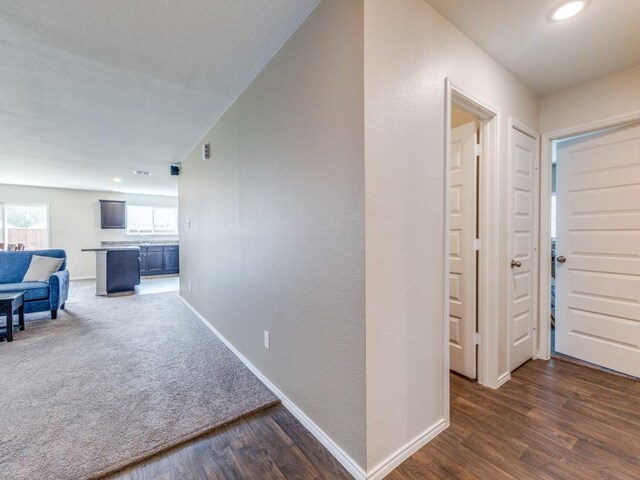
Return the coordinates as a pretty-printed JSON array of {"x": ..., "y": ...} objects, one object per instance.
[
  {"x": 553, "y": 420},
  {"x": 496, "y": 454},
  {"x": 424, "y": 467},
  {"x": 309, "y": 446},
  {"x": 269, "y": 445},
  {"x": 602, "y": 435},
  {"x": 526, "y": 426},
  {"x": 599, "y": 396},
  {"x": 473, "y": 462}
]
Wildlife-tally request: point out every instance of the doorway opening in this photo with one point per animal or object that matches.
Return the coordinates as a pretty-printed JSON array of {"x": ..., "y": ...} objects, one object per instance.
[
  {"x": 470, "y": 217},
  {"x": 464, "y": 166}
]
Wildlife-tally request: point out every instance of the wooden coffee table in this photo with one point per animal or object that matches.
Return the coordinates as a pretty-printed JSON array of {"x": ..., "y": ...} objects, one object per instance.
[{"x": 9, "y": 303}]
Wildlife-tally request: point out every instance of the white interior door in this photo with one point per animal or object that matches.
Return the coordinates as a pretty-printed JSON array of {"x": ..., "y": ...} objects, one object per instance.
[
  {"x": 522, "y": 248},
  {"x": 462, "y": 260},
  {"x": 598, "y": 249}
]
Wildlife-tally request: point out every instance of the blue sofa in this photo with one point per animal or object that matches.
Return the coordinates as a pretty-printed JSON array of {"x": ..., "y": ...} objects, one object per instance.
[{"x": 39, "y": 296}]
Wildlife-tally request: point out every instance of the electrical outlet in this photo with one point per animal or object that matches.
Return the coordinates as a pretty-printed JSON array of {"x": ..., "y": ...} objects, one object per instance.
[
  {"x": 188, "y": 223},
  {"x": 267, "y": 340},
  {"x": 190, "y": 286}
]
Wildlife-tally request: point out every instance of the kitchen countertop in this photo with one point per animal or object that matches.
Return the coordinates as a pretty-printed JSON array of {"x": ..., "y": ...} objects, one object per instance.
[
  {"x": 140, "y": 244},
  {"x": 111, "y": 249}
]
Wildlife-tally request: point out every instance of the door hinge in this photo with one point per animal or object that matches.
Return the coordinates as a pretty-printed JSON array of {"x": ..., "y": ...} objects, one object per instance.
[
  {"x": 478, "y": 150},
  {"x": 477, "y": 338},
  {"x": 476, "y": 244}
]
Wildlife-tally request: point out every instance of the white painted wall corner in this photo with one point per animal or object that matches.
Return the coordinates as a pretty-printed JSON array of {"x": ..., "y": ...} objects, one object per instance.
[
  {"x": 379, "y": 471},
  {"x": 504, "y": 378},
  {"x": 388, "y": 464},
  {"x": 347, "y": 462}
]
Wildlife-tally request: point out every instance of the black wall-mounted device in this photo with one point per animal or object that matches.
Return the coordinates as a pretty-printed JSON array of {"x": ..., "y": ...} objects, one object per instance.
[{"x": 175, "y": 169}]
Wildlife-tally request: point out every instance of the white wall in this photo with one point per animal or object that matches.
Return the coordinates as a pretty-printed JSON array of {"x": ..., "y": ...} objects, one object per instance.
[
  {"x": 601, "y": 99},
  {"x": 75, "y": 220},
  {"x": 277, "y": 223},
  {"x": 409, "y": 51}
]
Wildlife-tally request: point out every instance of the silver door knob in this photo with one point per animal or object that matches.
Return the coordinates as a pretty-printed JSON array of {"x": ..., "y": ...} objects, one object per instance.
[
  {"x": 561, "y": 259},
  {"x": 516, "y": 263}
]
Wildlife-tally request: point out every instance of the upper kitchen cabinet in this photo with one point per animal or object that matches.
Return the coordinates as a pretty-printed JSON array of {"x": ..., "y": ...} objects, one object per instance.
[{"x": 113, "y": 214}]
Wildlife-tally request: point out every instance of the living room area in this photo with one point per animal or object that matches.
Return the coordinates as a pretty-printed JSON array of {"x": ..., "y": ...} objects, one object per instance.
[
  {"x": 102, "y": 364},
  {"x": 68, "y": 224},
  {"x": 101, "y": 373}
]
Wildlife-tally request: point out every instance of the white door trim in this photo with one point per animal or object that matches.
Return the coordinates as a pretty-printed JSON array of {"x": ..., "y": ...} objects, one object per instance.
[
  {"x": 544, "y": 244},
  {"x": 488, "y": 222},
  {"x": 530, "y": 132}
]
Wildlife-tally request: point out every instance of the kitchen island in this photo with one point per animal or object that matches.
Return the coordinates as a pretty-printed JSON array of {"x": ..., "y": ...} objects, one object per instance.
[
  {"x": 157, "y": 257},
  {"x": 117, "y": 269}
]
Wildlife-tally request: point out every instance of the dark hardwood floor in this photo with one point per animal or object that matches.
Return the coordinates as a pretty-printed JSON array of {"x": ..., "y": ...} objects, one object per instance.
[
  {"x": 270, "y": 444},
  {"x": 553, "y": 420}
]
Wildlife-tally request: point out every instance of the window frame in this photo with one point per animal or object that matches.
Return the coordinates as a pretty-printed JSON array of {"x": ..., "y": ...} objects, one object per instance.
[
  {"x": 153, "y": 213},
  {"x": 4, "y": 235}
]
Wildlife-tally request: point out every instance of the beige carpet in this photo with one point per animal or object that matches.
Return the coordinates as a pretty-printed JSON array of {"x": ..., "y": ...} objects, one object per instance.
[{"x": 112, "y": 381}]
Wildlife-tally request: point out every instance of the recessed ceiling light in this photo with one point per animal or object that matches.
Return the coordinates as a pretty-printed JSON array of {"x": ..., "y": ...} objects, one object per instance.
[
  {"x": 116, "y": 179},
  {"x": 567, "y": 10},
  {"x": 142, "y": 172}
]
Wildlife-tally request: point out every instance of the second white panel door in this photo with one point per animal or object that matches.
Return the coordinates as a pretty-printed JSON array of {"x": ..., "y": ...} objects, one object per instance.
[{"x": 522, "y": 247}]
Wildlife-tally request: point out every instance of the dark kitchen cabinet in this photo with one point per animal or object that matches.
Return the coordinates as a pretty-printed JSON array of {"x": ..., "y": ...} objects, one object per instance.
[
  {"x": 155, "y": 265},
  {"x": 113, "y": 214},
  {"x": 144, "y": 264},
  {"x": 123, "y": 272},
  {"x": 159, "y": 259},
  {"x": 171, "y": 259}
]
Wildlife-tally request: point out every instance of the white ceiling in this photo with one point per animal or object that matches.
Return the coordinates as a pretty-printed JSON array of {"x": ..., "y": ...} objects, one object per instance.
[
  {"x": 549, "y": 56},
  {"x": 94, "y": 90}
]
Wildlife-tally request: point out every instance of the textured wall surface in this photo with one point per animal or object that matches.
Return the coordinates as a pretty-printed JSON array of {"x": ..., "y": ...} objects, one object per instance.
[
  {"x": 605, "y": 98},
  {"x": 409, "y": 51},
  {"x": 277, "y": 223}
]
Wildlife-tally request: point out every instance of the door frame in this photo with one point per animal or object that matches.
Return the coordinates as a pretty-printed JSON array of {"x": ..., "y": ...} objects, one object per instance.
[
  {"x": 530, "y": 132},
  {"x": 548, "y": 139},
  {"x": 488, "y": 225}
]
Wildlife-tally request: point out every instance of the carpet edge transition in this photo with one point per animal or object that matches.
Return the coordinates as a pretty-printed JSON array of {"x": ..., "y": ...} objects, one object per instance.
[{"x": 111, "y": 470}]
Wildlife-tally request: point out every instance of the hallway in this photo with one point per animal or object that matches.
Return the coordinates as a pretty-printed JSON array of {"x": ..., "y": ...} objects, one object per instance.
[{"x": 552, "y": 420}]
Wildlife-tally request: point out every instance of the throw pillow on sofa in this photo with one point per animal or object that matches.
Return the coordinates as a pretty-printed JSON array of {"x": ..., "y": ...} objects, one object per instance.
[{"x": 41, "y": 268}]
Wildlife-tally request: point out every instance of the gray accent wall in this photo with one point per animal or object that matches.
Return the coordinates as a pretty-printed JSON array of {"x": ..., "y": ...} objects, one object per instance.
[{"x": 276, "y": 235}]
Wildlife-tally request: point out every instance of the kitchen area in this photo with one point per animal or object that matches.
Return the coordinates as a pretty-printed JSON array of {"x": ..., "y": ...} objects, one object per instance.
[{"x": 121, "y": 265}]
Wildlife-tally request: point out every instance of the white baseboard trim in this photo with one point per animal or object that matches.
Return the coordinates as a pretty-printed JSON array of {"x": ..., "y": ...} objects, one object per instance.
[
  {"x": 386, "y": 466},
  {"x": 347, "y": 462},
  {"x": 504, "y": 378},
  {"x": 82, "y": 278}
]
